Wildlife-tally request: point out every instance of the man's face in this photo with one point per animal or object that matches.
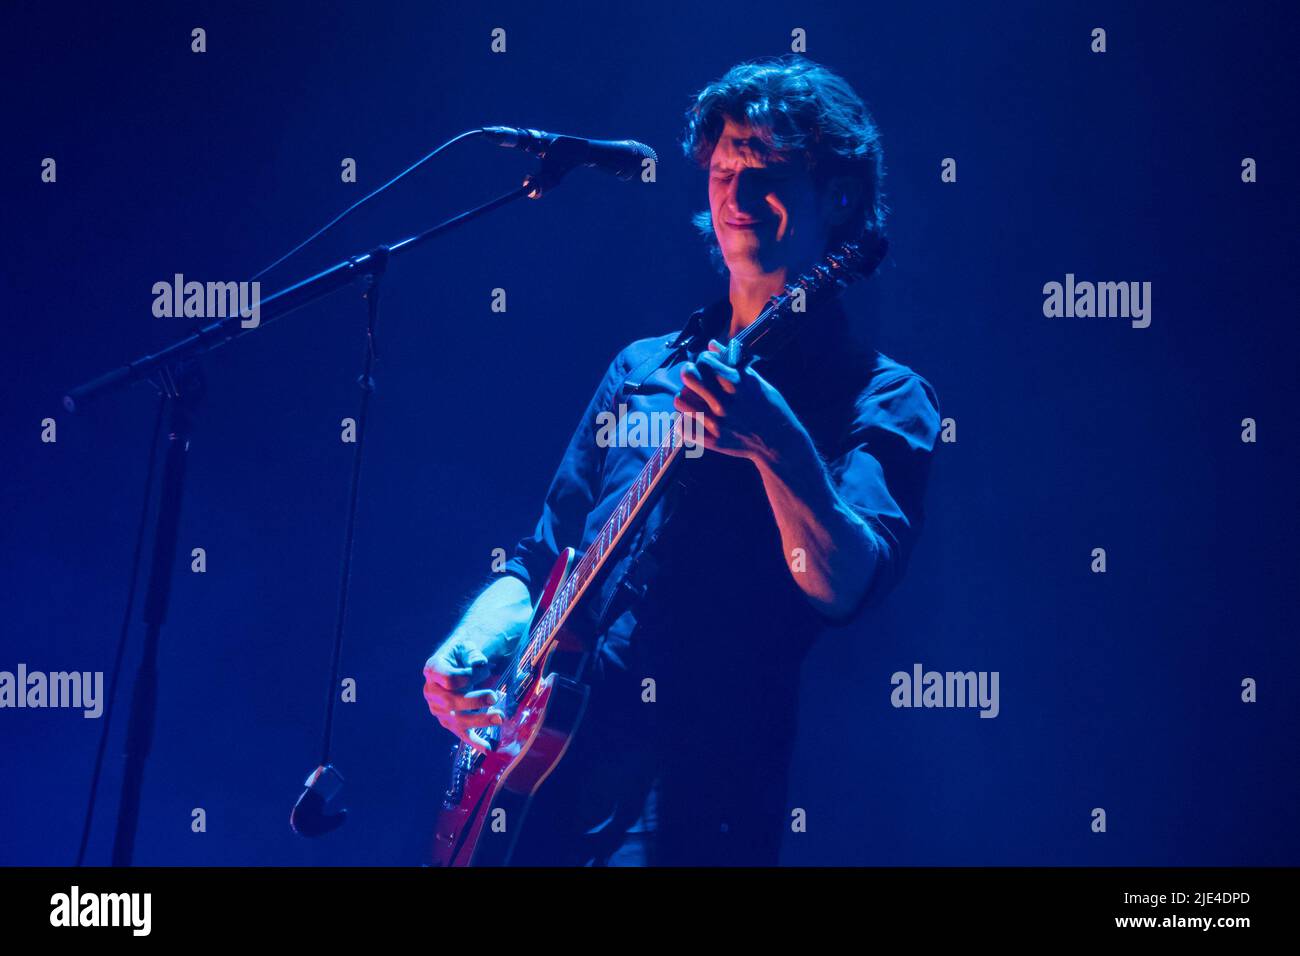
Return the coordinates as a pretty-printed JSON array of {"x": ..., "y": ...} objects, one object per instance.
[{"x": 765, "y": 206}]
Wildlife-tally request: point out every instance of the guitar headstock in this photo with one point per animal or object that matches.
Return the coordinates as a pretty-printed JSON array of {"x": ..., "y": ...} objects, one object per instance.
[{"x": 846, "y": 263}]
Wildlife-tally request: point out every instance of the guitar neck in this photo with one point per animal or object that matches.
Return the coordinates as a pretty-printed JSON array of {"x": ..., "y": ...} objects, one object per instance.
[{"x": 635, "y": 500}]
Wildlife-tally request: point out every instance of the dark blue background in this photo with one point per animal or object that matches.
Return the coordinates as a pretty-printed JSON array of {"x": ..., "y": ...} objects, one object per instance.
[{"x": 1118, "y": 690}]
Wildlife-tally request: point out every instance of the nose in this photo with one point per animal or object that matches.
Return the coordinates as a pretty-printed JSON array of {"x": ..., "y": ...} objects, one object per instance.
[{"x": 749, "y": 191}]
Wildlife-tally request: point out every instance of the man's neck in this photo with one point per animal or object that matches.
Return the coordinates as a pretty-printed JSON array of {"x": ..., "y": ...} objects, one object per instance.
[{"x": 749, "y": 294}]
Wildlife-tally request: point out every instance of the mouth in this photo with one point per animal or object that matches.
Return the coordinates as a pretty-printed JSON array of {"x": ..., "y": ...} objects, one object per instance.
[{"x": 741, "y": 223}]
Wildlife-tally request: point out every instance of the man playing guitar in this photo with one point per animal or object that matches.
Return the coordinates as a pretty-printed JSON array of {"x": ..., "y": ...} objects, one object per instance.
[{"x": 801, "y": 512}]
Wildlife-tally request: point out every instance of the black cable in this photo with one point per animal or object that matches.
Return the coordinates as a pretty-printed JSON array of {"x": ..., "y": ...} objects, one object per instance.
[
  {"x": 364, "y": 199},
  {"x": 367, "y": 384},
  {"x": 126, "y": 628}
]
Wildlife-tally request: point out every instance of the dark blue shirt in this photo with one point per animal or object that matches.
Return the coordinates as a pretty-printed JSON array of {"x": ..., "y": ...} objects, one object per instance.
[{"x": 703, "y": 600}]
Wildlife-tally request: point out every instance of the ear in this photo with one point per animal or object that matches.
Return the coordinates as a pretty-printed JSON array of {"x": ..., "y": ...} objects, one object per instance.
[{"x": 842, "y": 200}]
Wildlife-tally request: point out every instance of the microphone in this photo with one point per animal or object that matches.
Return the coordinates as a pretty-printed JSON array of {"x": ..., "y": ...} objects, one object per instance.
[{"x": 621, "y": 157}]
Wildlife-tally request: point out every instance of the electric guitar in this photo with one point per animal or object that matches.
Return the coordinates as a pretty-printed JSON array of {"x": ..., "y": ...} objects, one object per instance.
[{"x": 485, "y": 805}]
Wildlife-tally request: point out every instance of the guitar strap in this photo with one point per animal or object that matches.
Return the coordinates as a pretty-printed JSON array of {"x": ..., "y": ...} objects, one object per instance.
[
  {"x": 635, "y": 379},
  {"x": 695, "y": 330},
  {"x": 636, "y": 575}
]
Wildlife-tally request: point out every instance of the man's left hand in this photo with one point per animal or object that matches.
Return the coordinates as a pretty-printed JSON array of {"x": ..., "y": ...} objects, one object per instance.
[{"x": 736, "y": 411}]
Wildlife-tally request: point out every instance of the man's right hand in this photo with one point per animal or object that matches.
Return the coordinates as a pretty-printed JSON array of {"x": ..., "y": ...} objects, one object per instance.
[{"x": 450, "y": 673}]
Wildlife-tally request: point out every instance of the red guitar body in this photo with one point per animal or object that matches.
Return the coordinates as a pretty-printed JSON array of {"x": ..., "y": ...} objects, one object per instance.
[{"x": 484, "y": 808}]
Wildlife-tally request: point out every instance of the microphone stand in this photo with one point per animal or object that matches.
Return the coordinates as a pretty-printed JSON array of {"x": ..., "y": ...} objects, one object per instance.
[{"x": 175, "y": 372}]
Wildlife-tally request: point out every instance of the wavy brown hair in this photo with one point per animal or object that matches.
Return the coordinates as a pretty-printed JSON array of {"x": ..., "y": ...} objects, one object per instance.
[{"x": 794, "y": 106}]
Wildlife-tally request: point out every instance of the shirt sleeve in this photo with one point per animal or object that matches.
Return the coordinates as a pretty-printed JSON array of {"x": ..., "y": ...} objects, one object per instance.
[
  {"x": 883, "y": 475},
  {"x": 572, "y": 494}
]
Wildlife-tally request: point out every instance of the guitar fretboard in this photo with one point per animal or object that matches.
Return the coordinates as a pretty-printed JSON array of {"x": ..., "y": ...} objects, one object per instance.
[{"x": 616, "y": 525}]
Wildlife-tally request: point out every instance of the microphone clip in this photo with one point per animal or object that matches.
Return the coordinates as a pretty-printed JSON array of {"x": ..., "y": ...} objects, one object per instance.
[
  {"x": 312, "y": 815},
  {"x": 560, "y": 155}
]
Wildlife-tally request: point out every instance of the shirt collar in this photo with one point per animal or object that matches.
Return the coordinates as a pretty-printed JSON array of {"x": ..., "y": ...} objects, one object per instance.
[
  {"x": 707, "y": 323},
  {"x": 711, "y": 322}
]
